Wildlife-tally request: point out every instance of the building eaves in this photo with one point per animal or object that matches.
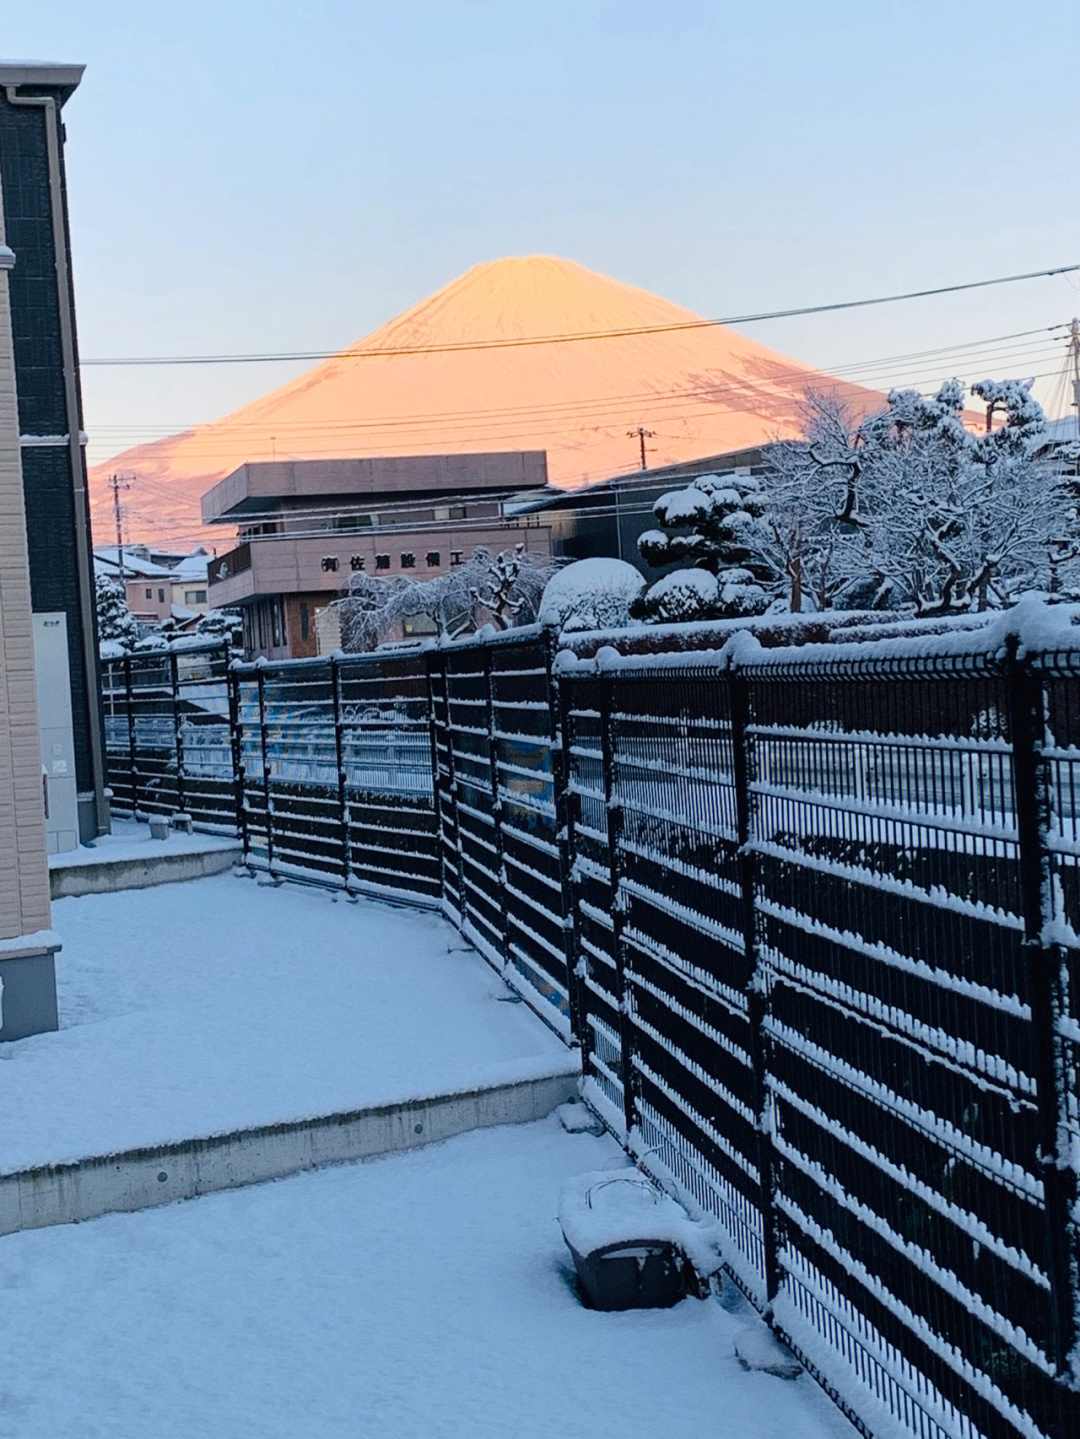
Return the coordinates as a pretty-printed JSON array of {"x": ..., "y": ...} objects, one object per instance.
[{"x": 41, "y": 74}]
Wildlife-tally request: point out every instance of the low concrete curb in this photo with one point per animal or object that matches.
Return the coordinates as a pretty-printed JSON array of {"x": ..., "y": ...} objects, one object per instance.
[
  {"x": 140, "y": 1178},
  {"x": 110, "y": 875}
]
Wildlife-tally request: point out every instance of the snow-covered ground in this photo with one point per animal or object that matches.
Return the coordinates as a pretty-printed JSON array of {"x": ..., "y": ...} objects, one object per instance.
[
  {"x": 428, "y": 1294},
  {"x": 193, "y": 1009}
]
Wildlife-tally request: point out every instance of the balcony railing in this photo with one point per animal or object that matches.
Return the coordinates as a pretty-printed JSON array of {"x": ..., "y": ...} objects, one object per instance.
[{"x": 223, "y": 567}]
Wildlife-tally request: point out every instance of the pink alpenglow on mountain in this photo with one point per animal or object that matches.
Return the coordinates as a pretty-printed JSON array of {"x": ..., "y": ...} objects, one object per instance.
[{"x": 441, "y": 379}]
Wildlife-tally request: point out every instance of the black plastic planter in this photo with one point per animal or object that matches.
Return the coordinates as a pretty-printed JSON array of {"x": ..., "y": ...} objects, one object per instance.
[
  {"x": 634, "y": 1247},
  {"x": 648, "y": 1274}
]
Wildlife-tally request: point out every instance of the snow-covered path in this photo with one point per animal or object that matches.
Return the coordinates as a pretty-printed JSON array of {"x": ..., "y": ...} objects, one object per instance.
[
  {"x": 427, "y": 1294},
  {"x": 195, "y": 1009}
]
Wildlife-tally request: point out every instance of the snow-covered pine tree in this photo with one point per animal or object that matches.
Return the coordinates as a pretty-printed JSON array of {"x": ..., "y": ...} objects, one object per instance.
[
  {"x": 115, "y": 620},
  {"x": 221, "y": 624},
  {"x": 713, "y": 528}
]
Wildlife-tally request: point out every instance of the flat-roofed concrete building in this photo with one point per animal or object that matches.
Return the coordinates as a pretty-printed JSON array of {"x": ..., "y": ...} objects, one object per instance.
[
  {"x": 306, "y": 526},
  {"x": 608, "y": 518}
]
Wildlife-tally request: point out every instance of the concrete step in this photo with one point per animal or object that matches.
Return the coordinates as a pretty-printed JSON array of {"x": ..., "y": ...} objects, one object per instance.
[
  {"x": 140, "y": 1178},
  {"x": 110, "y": 873}
]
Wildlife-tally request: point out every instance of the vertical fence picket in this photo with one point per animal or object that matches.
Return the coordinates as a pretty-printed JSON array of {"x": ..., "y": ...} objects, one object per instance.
[
  {"x": 757, "y": 984},
  {"x": 133, "y": 763},
  {"x": 559, "y": 719},
  {"x": 1031, "y": 788},
  {"x": 236, "y": 747},
  {"x": 608, "y": 738},
  {"x": 436, "y": 772},
  {"x": 268, "y": 801},
  {"x": 342, "y": 777},
  {"x": 499, "y": 874},
  {"x": 178, "y": 727}
]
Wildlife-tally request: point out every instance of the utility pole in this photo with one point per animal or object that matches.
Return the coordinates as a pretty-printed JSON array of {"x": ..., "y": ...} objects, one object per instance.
[
  {"x": 1074, "y": 351},
  {"x": 642, "y": 435},
  {"x": 118, "y": 483}
]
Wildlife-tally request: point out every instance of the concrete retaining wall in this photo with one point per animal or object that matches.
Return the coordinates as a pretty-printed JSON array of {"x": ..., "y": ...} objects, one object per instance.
[
  {"x": 139, "y": 1178},
  {"x": 114, "y": 874}
]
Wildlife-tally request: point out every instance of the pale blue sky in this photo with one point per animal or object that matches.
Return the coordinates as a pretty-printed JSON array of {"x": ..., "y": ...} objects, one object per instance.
[{"x": 253, "y": 177}]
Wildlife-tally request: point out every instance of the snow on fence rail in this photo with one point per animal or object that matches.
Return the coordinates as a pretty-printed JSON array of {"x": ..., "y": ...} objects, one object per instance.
[{"x": 811, "y": 916}]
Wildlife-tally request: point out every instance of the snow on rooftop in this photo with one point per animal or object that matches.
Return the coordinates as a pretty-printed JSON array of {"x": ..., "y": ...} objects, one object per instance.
[
  {"x": 135, "y": 565},
  {"x": 192, "y": 566}
]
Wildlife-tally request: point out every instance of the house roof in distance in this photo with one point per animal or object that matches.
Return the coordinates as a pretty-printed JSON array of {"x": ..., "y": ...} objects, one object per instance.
[
  {"x": 280, "y": 484},
  {"x": 136, "y": 566}
]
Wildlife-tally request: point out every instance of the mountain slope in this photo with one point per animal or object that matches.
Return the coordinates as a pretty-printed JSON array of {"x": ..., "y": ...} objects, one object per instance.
[{"x": 702, "y": 390}]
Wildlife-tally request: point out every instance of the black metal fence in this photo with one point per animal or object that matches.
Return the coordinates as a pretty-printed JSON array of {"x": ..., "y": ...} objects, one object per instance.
[{"x": 814, "y": 927}]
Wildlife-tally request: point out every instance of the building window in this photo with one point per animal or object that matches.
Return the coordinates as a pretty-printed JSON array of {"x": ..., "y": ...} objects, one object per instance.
[
  {"x": 249, "y": 629},
  {"x": 356, "y": 562},
  {"x": 352, "y": 524},
  {"x": 275, "y": 627},
  {"x": 408, "y": 562},
  {"x": 382, "y": 562},
  {"x": 329, "y": 562},
  {"x": 434, "y": 559},
  {"x": 161, "y": 596},
  {"x": 194, "y": 597},
  {"x": 149, "y": 594},
  {"x": 303, "y": 620},
  {"x": 455, "y": 557}
]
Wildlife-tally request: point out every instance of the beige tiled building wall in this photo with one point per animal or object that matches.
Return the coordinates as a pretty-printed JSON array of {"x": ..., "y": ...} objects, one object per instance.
[{"x": 24, "y": 875}]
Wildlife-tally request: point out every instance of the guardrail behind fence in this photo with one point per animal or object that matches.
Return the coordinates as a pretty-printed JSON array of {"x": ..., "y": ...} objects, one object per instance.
[{"x": 813, "y": 926}]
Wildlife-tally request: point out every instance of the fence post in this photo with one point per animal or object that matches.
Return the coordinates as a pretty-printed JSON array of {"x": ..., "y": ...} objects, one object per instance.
[
  {"x": 757, "y": 998},
  {"x": 236, "y": 744},
  {"x": 453, "y": 791},
  {"x": 1031, "y": 791},
  {"x": 613, "y": 809},
  {"x": 132, "y": 751},
  {"x": 342, "y": 792},
  {"x": 178, "y": 728},
  {"x": 558, "y": 708},
  {"x": 436, "y": 783},
  {"x": 267, "y": 799},
  {"x": 496, "y": 808}
]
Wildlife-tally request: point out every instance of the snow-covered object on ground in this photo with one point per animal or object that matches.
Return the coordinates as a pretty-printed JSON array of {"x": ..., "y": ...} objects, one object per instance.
[
  {"x": 578, "y": 1118},
  {"x": 590, "y": 595},
  {"x": 756, "y": 1348},
  {"x": 623, "y": 1206}
]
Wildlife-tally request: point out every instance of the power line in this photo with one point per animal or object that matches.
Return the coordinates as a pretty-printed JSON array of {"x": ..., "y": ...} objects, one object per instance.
[
  {"x": 610, "y": 410},
  {"x": 631, "y": 397},
  {"x": 564, "y": 339}
]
